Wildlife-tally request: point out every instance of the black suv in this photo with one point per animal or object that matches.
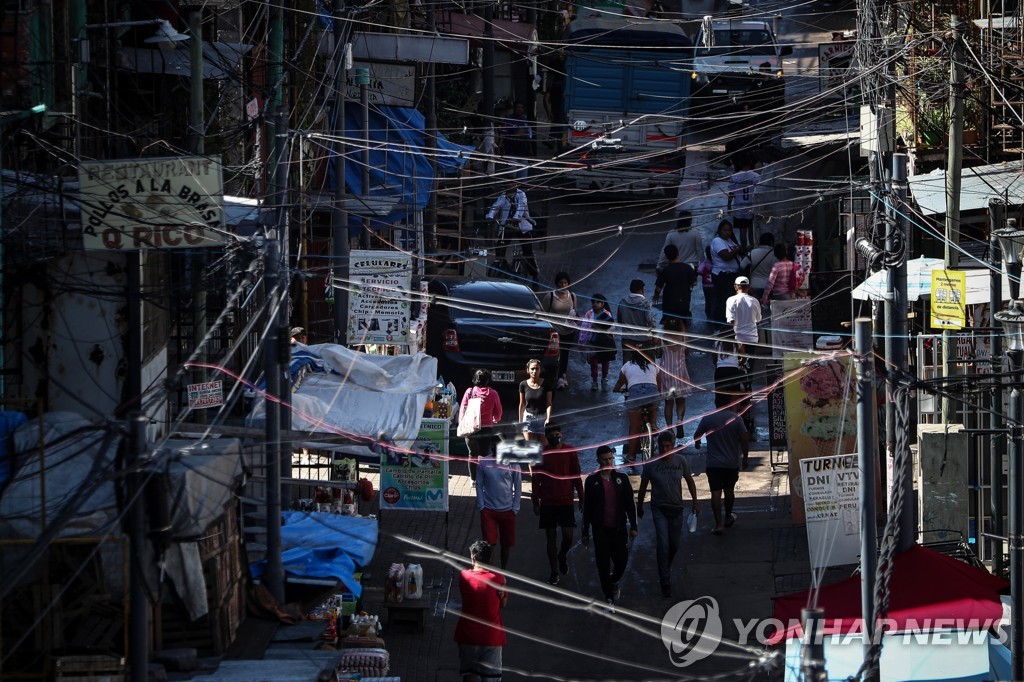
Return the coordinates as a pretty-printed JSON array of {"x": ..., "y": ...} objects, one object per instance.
[{"x": 486, "y": 324}]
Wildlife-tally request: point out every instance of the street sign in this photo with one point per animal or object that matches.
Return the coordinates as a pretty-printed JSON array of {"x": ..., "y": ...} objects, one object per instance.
[
  {"x": 949, "y": 292},
  {"x": 202, "y": 396},
  {"x": 158, "y": 203},
  {"x": 379, "y": 302},
  {"x": 390, "y": 84},
  {"x": 832, "y": 504}
]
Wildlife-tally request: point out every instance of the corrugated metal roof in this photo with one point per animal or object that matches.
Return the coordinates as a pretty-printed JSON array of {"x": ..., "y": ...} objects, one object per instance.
[{"x": 978, "y": 185}]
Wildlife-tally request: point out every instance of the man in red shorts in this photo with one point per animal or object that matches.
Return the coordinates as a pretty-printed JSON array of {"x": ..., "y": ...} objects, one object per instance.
[
  {"x": 554, "y": 481},
  {"x": 480, "y": 632},
  {"x": 498, "y": 491}
]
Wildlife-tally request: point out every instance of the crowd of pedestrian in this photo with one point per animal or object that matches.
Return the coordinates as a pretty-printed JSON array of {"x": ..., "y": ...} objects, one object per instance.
[{"x": 739, "y": 279}]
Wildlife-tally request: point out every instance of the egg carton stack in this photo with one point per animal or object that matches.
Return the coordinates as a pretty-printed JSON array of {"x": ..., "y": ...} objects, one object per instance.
[{"x": 363, "y": 662}]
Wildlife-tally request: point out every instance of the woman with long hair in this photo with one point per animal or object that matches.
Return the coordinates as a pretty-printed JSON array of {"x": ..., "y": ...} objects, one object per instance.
[
  {"x": 535, "y": 401},
  {"x": 479, "y": 444},
  {"x": 675, "y": 376},
  {"x": 641, "y": 380}
]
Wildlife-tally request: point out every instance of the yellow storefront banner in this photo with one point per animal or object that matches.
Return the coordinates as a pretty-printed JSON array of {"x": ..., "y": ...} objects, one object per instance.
[{"x": 949, "y": 291}]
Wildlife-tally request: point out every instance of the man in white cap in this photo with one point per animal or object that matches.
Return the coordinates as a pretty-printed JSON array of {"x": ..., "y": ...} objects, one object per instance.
[{"x": 743, "y": 312}]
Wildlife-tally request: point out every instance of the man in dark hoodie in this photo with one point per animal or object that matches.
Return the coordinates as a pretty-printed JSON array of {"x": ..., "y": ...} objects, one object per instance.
[{"x": 635, "y": 314}]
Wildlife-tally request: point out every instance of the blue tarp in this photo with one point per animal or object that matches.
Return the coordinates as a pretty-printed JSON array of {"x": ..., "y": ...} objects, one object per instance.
[
  {"x": 316, "y": 545},
  {"x": 397, "y": 165}
]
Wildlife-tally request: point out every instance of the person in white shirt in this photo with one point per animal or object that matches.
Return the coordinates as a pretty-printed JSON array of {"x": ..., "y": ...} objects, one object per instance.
[
  {"x": 742, "y": 185},
  {"x": 511, "y": 210},
  {"x": 743, "y": 312}
]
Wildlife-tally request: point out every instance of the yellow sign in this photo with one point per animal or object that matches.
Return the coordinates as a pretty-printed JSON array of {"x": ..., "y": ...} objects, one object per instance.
[
  {"x": 153, "y": 203},
  {"x": 949, "y": 291}
]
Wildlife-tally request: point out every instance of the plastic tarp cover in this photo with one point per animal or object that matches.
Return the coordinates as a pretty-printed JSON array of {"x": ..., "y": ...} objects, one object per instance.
[
  {"x": 81, "y": 464},
  {"x": 315, "y": 545},
  {"x": 360, "y": 396},
  {"x": 398, "y": 165}
]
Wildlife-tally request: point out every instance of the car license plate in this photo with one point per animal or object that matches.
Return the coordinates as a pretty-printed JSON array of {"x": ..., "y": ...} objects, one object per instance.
[{"x": 503, "y": 376}]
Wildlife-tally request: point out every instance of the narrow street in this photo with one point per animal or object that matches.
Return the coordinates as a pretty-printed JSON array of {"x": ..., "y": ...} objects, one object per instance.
[{"x": 554, "y": 631}]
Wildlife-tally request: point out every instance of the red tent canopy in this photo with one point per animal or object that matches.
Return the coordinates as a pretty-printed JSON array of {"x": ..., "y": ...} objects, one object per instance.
[{"x": 926, "y": 587}]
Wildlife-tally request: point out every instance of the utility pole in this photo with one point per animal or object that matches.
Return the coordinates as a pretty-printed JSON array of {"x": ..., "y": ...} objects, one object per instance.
[
  {"x": 283, "y": 311},
  {"x": 277, "y": 294},
  {"x": 812, "y": 653},
  {"x": 997, "y": 439},
  {"x": 363, "y": 78},
  {"x": 138, "y": 607},
  {"x": 896, "y": 338},
  {"x": 274, "y": 576},
  {"x": 197, "y": 144},
  {"x": 339, "y": 215},
  {"x": 866, "y": 465},
  {"x": 429, "y": 245},
  {"x": 954, "y": 163}
]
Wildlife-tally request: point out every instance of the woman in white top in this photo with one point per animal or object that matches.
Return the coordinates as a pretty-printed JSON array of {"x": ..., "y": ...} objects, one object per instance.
[
  {"x": 725, "y": 265},
  {"x": 641, "y": 379}
]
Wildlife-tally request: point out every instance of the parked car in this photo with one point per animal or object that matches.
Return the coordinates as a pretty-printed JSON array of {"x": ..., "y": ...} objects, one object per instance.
[{"x": 488, "y": 324}]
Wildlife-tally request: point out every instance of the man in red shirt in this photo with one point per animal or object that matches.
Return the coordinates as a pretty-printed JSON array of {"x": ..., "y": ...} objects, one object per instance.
[
  {"x": 554, "y": 481},
  {"x": 480, "y": 633}
]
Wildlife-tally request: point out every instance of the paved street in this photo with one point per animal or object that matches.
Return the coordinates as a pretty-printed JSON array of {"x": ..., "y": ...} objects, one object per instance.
[{"x": 558, "y": 632}]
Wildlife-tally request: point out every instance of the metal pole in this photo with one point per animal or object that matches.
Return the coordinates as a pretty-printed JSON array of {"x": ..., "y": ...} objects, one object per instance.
[
  {"x": 812, "y": 654},
  {"x": 430, "y": 139},
  {"x": 1016, "y": 518},
  {"x": 954, "y": 162},
  {"x": 339, "y": 216},
  {"x": 283, "y": 333},
  {"x": 898, "y": 359},
  {"x": 364, "y": 97},
  {"x": 197, "y": 113},
  {"x": 274, "y": 576},
  {"x": 138, "y": 605},
  {"x": 997, "y": 442},
  {"x": 866, "y": 468}
]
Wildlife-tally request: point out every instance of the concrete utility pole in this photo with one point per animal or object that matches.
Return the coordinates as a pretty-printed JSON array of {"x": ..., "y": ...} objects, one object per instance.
[
  {"x": 896, "y": 339},
  {"x": 997, "y": 439},
  {"x": 429, "y": 245},
  {"x": 138, "y": 609},
  {"x": 339, "y": 215},
  {"x": 866, "y": 464},
  {"x": 954, "y": 163},
  {"x": 274, "y": 576},
  {"x": 812, "y": 653}
]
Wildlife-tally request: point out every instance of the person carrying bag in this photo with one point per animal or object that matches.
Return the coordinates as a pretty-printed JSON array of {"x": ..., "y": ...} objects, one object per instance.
[{"x": 479, "y": 411}]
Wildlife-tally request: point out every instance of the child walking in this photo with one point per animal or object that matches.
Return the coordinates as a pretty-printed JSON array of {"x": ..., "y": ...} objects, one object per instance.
[{"x": 597, "y": 336}]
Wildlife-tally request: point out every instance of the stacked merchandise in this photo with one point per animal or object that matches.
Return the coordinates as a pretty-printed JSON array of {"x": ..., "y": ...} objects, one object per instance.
[{"x": 369, "y": 662}]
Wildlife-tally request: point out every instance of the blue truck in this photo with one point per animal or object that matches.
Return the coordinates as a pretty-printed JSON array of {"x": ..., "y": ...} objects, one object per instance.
[{"x": 627, "y": 91}]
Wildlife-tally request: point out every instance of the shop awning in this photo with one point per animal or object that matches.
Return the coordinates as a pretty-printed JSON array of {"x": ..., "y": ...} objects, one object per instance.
[
  {"x": 219, "y": 59},
  {"x": 513, "y": 36}
]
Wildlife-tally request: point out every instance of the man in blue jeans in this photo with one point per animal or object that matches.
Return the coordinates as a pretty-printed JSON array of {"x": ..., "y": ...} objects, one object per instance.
[{"x": 665, "y": 474}]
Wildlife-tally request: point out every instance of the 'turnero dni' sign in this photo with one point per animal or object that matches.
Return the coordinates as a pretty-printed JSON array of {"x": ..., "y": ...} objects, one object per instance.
[{"x": 160, "y": 203}]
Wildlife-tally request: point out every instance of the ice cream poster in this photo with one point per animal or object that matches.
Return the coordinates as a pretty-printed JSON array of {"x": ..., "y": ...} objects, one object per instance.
[
  {"x": 415, "y": 475},
  {"x": 821, "y": 414}
]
